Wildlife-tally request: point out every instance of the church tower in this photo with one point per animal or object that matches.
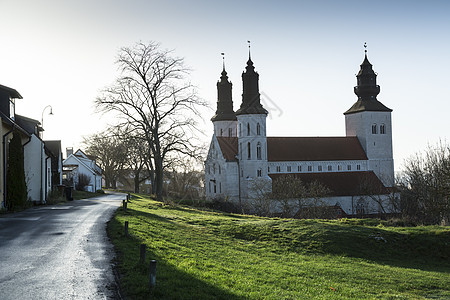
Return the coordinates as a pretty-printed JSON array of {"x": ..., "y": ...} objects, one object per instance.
[
  {"x": 225, "y": 121},
  {"x": 370, "y": 121},
  {"x": 252, "y": 138}
]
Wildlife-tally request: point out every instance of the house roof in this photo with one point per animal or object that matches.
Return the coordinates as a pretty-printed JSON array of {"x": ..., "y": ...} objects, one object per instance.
[
  {"x": 7, "y": 120},
  {"x": 314, "y": 149},
  {"x": 12, "y": 92},
  {"x": 343, "y": 183},
  {"x": 54, "y": 146},
  {"x": 229, "y": 147}
]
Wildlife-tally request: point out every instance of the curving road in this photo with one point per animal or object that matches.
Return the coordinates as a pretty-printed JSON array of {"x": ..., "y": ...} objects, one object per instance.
[{"x": 59, "y": 251}]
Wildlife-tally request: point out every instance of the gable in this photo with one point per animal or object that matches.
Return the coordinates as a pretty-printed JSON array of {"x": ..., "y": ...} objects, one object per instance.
[
  {"x": 229, "y": 147},
  {"x": 314, "y": 149}
]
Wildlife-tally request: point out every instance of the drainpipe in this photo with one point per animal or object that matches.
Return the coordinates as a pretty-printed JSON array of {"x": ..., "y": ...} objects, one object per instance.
[
  {"x": 46, "y": 180},
  {"x": 4, "y": 164}
]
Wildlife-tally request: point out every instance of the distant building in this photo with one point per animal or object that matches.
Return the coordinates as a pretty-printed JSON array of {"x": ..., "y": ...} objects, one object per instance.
[
  {"x": 240, "y": 152},
  {"x": 80, "y": 163}
]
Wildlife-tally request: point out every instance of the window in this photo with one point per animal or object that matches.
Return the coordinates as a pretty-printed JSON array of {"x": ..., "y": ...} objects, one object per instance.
[
  {"x": 258, "y": 129},
  {"x": 259, "y": 173},
  {"x": 382, "y": 129},
  {"x": 242, "y": 173},
  {"x": 240, "y": 149},
  {"x": 12, "y": 109},
  {"x": 309, "y": 168},
  {"x": 215, "y": 187},
  {"x": 249, "y": 152},
  {"x": 330, "y": 168},
  {"x": 209, "y": 186},
  {"x": 374, "y": 129},
  {"x": 289, "y": 169},
  {"x": 299, "y": 168},
  {"x": 349, "y": 167},
  {"x": 339, "y": 168},
  {"x": 221, "y": 132},
  {"x": 214, "y": 168},
  {"x": 248, "y": 128},
  {"x": 220, "y": 187},
  {"x": 278, "y": 169},
  {"x": 319, "y": 168},
  {"x": 268, "y": 169},
  {"x": 230, "y": 132},
  {"x": 240, "y": 129},
  {"x": 220, "y": 170},
  {"x": 358, "y": 167},
  {"x": 258, "y": 150}
]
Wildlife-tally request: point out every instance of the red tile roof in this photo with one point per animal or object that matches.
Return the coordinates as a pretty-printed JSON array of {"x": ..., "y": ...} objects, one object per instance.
[
  {"x": 229, "y": 147},
  {"x": 314, "y": 149},
  {"x": 343, "y": 183}
]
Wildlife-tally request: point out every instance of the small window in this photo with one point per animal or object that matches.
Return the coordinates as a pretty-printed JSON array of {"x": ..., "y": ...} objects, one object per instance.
[
  {"x": 258, "y": 150},
  {"x": 240, "y": 149},
  {"x": 330, "y": 168},
  {"x": 278, "y": 169},
  {"x": 319, "y": 168},
  {"x": 309, "y": 168},
  {"x": 221, "y": 132},
  {"x": 215, "y": 188},
  {"x": 230, "y": 132},
  {"x": 214, "y": 168},
  {"x": 258, "y": 129},
  {"x": 268, "y": 169},
  {"x": 349, "y": 167},
  {"x": 209, "y": 186},
  {"x": 248, "y": 128},
  {"x": 289, "y": 169},
  {"x": 249, "y": 152},
  {"x": 220, "y": 187},
  {"x": 374, "y": 129},
  {"x": 339, "y": 168},
  {"x": 220, "y": 170},
  {"x": 299, "y": 168},
  {"x": 382, "y": 129},
  {"x": 358, "y": 167},
  {"x": 240, "y": 129},
  {"x": 259, "y": 173}
]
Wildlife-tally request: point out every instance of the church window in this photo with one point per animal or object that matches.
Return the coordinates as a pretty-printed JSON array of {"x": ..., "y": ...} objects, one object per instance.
[
  {"x": 289, "y": 169},
  {"x": 221, "y": 132},
  {"x": 319, "y": 168},
  {"x": 209, "y": 187},
  {"x": 278, "y": 169},
  {"x": 259, "y": 173},
  {"x": 349, "y": 167},
  {"x": 374, "y": 129},
  {"x": 220, "y": 187},
  {"x": 214, "y": 168},
  {"x": 242, "y": 173},
  {"x": 249, "y": 152},
  {"x": 382, "y": 129},
  {"x": 258, "y": 150},
  {"x": 215, "y": 187},
  {"x": 220, "y": 170},
  {"x": 240, "y": 149},
  {"x": 268, "y": 169},
  {"x": 299, "y": 168},
  {"x": 358, "y": 167},
  {"x": 248, "y": 128},
  {"x": 258, "y": 129},
  {"x": 240, "y": 129},
  {"x": 330, "y": 168},
  {"x": 339, "y": 168},
  {"x": 230, "y": 132},
  {"x": 309, "y": 168}
]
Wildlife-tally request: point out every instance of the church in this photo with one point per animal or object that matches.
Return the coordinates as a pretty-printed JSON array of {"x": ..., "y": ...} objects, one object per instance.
[{"x": 241, "y": 154}]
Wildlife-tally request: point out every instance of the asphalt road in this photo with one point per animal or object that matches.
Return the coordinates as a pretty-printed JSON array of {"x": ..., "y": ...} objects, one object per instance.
[{"x": 59, "y": 251}]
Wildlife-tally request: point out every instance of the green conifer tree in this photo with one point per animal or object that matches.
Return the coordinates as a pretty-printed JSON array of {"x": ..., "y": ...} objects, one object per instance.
[{"x": 16, "y": 187}]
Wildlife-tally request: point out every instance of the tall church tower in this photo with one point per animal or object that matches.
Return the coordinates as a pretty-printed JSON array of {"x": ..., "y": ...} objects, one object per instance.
[
  {"x": 252, "y": 138},
  {"x": 370, "y": 121},
  {"x": 225, "y": 121}
]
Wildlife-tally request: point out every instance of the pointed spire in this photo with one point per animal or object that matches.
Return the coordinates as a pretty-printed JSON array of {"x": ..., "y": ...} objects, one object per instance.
[
  {"x": 251, "y": 100},
  {"x": 224, "y": 110},
  {"x": 367, "y": 89}
]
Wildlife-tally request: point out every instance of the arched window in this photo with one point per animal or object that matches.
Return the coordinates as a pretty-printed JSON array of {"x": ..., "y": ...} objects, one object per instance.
[
  {"x": 374, "y": 129},
  {"x": 230, "y": 132},
  {"x": 248, "y": 128},
  {"x": 221, "y": 132},
  {"x": 258, "y": 129},
  {"x": 258, "y": 150},
  {"x": 240, "y": 129},
  {"x": 259, "y": 173},
  {"x": 382, "y": 129},
  {"x": 249, "y": 154}
]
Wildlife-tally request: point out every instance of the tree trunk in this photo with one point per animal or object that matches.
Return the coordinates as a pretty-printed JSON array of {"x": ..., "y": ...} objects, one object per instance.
[{"x": 136, "y": 181}]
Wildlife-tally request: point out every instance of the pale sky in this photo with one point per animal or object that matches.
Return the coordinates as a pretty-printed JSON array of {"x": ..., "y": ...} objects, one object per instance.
[{"x": 62, "y": 53}]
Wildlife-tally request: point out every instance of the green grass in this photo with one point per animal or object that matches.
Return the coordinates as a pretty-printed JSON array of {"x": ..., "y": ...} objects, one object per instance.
[{"x": 203, "y": 254}]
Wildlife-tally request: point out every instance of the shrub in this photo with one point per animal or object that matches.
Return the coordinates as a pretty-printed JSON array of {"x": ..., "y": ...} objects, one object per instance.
[{"x": 83, "y": 181}]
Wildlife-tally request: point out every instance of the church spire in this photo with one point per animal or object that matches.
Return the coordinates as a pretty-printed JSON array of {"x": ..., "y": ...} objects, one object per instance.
[
  {"x": 367, "y": 89},
  {"x": 224, "y": 110},
  {"x": 251, "y": 100}
]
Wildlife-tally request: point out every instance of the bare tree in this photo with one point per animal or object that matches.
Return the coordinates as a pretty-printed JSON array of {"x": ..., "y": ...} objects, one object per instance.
[
  {"x": 426, "y": 185},
  {"x": 110, "y": 151},
  {"x": 153, "y": 96}
]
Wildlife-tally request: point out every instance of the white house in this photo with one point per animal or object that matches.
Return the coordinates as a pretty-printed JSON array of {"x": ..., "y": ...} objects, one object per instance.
[
  {"x": 241, "y": 154},
  {"x": 37, "y": 161},
  {"x": 80, "y": 163}
]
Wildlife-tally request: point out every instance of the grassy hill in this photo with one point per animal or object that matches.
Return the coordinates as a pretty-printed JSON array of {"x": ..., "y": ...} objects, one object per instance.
[{"x": 203, "y": 254}]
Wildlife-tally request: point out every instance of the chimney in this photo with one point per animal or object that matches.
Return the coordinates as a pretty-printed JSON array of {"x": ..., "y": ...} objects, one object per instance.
[{"x": 69, "y": 150}]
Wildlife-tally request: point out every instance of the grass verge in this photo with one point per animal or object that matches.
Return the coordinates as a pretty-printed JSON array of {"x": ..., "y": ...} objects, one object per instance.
[{"x": 203, "y": 254}]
